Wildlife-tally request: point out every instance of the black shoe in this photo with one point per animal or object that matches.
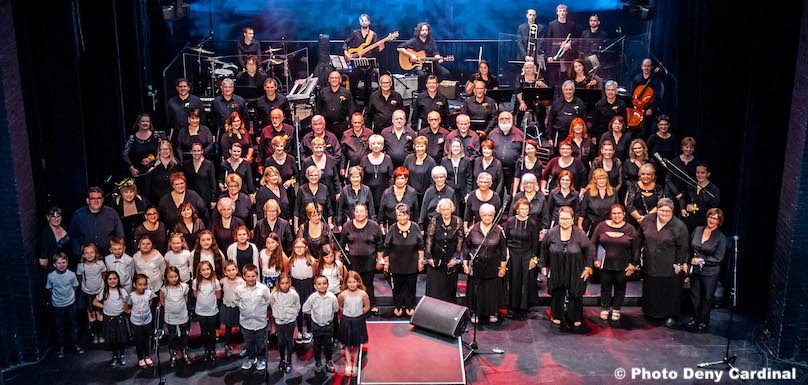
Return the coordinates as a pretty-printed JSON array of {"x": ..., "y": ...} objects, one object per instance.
[
  {"x": 173, "y": 360},
  {"x": 60, "y": 353},
  {"x": 288, "y": 368},
  {"x": 281, "y": 366},
  {"x": 670, "y": 323}
]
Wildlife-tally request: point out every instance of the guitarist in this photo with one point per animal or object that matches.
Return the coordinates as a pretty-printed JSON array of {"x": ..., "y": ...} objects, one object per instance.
[
  {"x": 423, "y": 41},
  {"x": 364, "y": 36}
]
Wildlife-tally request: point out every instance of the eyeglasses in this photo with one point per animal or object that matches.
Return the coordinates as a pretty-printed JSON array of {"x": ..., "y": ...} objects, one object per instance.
[
  {"x": 151, "y": 214},
  {"x": 300, "y": 247}
]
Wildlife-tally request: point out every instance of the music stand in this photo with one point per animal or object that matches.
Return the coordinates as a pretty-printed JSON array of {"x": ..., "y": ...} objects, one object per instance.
[
  {"x": 540, "y": 96},
  {"x": 501, "y": 95},
  {"x": 589, "y": 96},
  {"x": 247, "y": 92}
]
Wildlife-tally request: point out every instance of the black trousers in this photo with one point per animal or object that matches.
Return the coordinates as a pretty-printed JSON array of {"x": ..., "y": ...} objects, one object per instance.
[
  {"x": 322, "y": 342},
  {"x": 142, "y": 335},
  {"x": 404, "y": 290},
  {"x": 612, "y": 279},
  {"x": 286, "y": 345},
  {"x": 177, "y": 334},
  {"x": 702, "y": 292},
  {"x": 574, "y": 307},
  {"x": 67, "y": 331},
  {"x": 367, "y": 279},
  {"x": 208, "y": 326},
  {"x": 255, "y": 342}
]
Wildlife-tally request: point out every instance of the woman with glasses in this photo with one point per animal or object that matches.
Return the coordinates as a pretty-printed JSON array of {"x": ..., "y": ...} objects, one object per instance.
[
  {"x": 155, "y": 229},
  {"x": 566, "y": 259}
]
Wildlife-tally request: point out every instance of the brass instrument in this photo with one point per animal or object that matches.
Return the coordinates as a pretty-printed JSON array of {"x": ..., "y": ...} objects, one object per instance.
[
  {"x": 531, "y": 42},
  {"x": 561, "y": 49}
]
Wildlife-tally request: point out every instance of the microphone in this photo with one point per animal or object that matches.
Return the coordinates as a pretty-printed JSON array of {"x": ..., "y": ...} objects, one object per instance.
[
  {"x": 660, "y": 159},
  {"x": 735, "y": 240}
]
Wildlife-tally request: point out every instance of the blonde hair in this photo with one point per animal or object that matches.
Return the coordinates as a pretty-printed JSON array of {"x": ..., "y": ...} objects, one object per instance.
[{"x": 592, "y": 187}]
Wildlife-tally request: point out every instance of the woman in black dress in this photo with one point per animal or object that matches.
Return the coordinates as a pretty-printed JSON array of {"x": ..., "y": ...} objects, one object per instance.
[
  {"x": 618, "y": 135},
  {"x": 131, "y": 207},
  {"x": 642, "y": 195},
  {"x": 458, "y": 173},
  {"x": 242, "y": 208},
  {"x": 403, "y": 259},
  {"x": 313, "y": 191},
  {"x": 674, "y": 185},
  {"x": 582, "y": 147},
  {"x": 665, "y": 245},
  {"x": 489, "y": 164},
  {"x": 396, "y": 194},
  {"x": 482, "y": 195},
  {"x": 433, "y": 195},
  {"x": 530, "y": 78},
  {"x": 152, "y": 227},
  {"x": 314, "y": 230},
  {"x": 189, "y": 224},
  {"x": 566, "y": 254},
  {"x": 529, "y": 191},
  {"x": 522, "y": 234},
  {"x": 444, "y": 243},
  {"x": 224, "y": 224},
  {"x": 563, "y": 195},
  {"x": 235, "y": 164},
  {"x": 286, "y": 165},
  {"x": 193, "y": 133},
  {"x": 696, "y": 201},
  {"x": 617, "y": 244},
  {"x": 158, "y": 177},
  {"x": 528, "y": 164},
  {"x": 169, "y": 205},
  {"x": 201, "y": 176},
  {"x": 709, "y": 245},
  {"x": 610, "y": 164},
  {"x": 353, "y": 193},
  {"x": 329, "y": 169},
  {"x": 420, "y": 165},
  {"x": 378, "y": 169},
  {"x": 140, "y": 149},
  {"x": 597, "y": 201},
  {"x": 638, "y": 156},
  {"x": 235, "y": 131},
  {"x": 484, "y": 75},
  {"x": 663, "y": 143},
  {"x": 363, "y": 241},
  {"x": 271, "y": 188},
  {"x": 485, "y": 255},
  {"x": 54, "y": 238}
]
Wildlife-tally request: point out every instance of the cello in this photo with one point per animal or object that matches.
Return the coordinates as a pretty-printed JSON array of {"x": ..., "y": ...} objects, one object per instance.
[{"x": 642, "y": 98}]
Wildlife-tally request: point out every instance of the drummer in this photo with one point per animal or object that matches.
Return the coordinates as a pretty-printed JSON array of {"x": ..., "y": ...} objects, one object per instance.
[
  {"x": 252, "y": 76},
  {"x": 248, "y": 46}
]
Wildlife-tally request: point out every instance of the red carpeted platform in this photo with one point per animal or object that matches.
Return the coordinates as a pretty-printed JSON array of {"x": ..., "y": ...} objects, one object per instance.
[{"x": 398, "y": 353}]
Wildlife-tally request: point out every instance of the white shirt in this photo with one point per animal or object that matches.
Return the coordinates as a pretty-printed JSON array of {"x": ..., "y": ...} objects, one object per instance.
[
  {"x": 300, "y": 269},
  {"x": 140, "y": 309},
  {"x": 285, "y": 306},
  {"x": 113, "y": 305},
  {"x": 332, "y": 273},
  {"x": 266, "y": 270},
  {"x": 206, "y": 297},
  {"x": 154, "y": 269},
  {"x": 176, "y": 308},
  {"x": 321, "y": 307},
  {"x": 229, "y": 291},
  {"x": 252, "y": 304},
  {"x": 182, "y": 261},
  {"x": 124, "y": 266},
  {"x": 92, "y": 280}
]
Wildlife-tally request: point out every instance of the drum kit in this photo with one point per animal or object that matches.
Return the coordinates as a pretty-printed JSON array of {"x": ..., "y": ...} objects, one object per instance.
[{"x": 214, "y": 69}]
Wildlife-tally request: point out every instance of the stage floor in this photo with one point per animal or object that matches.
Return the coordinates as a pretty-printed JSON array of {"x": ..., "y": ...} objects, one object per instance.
[{"x": 536, "y": 352}]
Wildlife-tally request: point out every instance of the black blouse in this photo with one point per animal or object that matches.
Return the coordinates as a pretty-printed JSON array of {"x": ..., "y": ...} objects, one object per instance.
[
  {"x": 243, "y": 170},
  {"x": 459, "y": 178},
  {"x": 617, "y": 252},
  {"x": 377, "y": 177},
  {"x": 712, "y": 251},
  {"x": 557, "y": 200},
  {"x": 615, "y": 173},
  {"x": 362, "y": 245},
  {"x": 387, "y": 206},
  {"x": 621, "y": 146},
  {"x": 282, "y": 228},
  {"x": 522, "y": 237},
  {"x": 420, "y": 174},
  {"x": 444, "y": 242},
  {"x": 315, "y": 244},
  {"x": 553, "y": 169},
  {"x": 494, "y": 168},
  {"x": 159, "y": 236},
  {"x": 225, "y": 236},
  {"x": 485, "y": 264},
  {"x": 635, "y": 200},
  {"x": 402, "y": 247},
  {"x": 430, "y": 203},
  {"x": 595, "y": 209},
  {"x": 538, "y": 209},
  {"x": 349, "y": 198},
  {"x": 202, "y": 181},
  {"x": 473, "y": 204},
  {"x": 305, "y": 196},
  {"x": 663, "y": 248},
  {"x": 329, "y": 176},
  {"x": 566, "y": 260},
  {"x": 157, "y": 181}
]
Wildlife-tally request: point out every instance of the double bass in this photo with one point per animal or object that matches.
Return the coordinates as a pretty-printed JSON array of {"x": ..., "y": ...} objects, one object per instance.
[{"x": 642, "y": 98}]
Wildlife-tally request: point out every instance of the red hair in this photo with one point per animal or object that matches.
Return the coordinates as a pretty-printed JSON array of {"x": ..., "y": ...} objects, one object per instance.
[
  {"x": 487, "y": 143},
  {"x": 401, "y": 171},
  {"x": 575, "y": 121}
]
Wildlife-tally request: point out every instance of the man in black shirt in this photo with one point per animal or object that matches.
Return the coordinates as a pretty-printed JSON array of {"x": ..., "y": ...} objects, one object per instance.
[
  {"x": 226, "y": 103},
  {"x": 364, "y": 73},
  {"x": 605, "y": 109},
  {"x": 428, "y": 101},
  {"x": 95, "y": 223},
  {"x": 562, "y": 112},
  {"x": 248, "y": 46},
  {"x": 508, "y": 145},
  {"x": 528, "y": 38},
  {"x": 252, "y": 76},
  {"x": 398, "y": 139},
  {"x": 558, "y": 30},
  {"x": 423, "y": 41},
  {"x": 180, "y": 105},
  {"x": 382, "y": 103},
  {"x": 335, "y": 104},
  {"x": 593, "y": 37},
  {"x": 481, "y": 109},
  {"x": 276, "y": 127},
  {"x": 435, "y": 136},
  {"x": 271, "y": 100},
  {"x": 332, "y": 146},
  {"x": 470, "y": 139},
  {"x": 654, "y": 79},
  {"x": 355, "y": 142}
]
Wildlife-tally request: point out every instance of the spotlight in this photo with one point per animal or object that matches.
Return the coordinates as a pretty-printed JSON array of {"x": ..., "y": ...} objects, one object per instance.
[{"x": 641, "y": 9}]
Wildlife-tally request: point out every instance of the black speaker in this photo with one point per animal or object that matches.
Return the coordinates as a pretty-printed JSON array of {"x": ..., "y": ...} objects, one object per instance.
[{"x": 440, "y": 316}]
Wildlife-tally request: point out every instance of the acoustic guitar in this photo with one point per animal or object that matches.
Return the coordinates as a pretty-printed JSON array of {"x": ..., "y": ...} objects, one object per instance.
[
  {"x": 407, "y": 65},
  {"x": 365, "y": 47}
]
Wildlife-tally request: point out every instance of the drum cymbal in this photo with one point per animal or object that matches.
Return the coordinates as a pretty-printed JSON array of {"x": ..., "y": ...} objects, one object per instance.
[
  {"x": 216, "y": 61},
  {"x": 273, "y": 61},
  {"x": 201, "y": 50},
  {"x": 270, "y": 50}
]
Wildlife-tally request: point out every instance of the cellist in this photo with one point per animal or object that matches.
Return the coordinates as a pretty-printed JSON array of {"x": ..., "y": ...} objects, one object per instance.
[{"x": 655, "y": 83}]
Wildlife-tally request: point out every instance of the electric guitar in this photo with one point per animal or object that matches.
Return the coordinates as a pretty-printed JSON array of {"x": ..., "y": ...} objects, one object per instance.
[
  {"x": 364, "y": 48},
  {"x": 407, "y": 65}
]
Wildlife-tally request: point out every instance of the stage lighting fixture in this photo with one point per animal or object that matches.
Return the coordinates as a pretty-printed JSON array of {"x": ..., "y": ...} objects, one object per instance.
[{"x": 641, "y": 9}]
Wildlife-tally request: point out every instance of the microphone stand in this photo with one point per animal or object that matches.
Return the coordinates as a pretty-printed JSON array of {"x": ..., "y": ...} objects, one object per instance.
[
  {"x": 331, "y": 235},
  {"x": 729, "y": 360},
  {"x": 158, "y": 333},
  {"x": 473, "y": 347},
  {"x": 681, "y": 174}
]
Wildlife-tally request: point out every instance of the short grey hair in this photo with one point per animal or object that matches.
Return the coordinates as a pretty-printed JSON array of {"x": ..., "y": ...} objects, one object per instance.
[
  {"x": 228, "y": 82},
  {"x": 528, "y": 177},
  {"x": 437, "y": 170},
  {"x": 443, "y": 203},
  {"x": 484, "y": 175},
  {"x": 611, "y": 83},
  {"x": 665, "y": 202},
  {"x": 486, "y": 208},
  {"x": 403, "y": 208},
  {"x": 568, "y": 83}
]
